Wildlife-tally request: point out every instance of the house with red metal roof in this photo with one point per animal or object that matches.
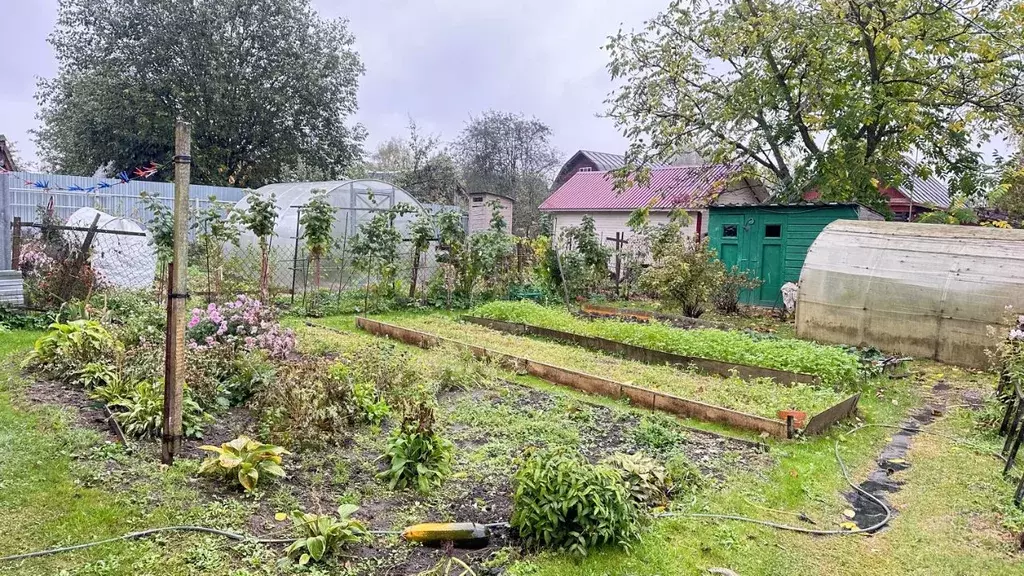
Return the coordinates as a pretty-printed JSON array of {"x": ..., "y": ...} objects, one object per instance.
[{"x": 584, "y": 186}]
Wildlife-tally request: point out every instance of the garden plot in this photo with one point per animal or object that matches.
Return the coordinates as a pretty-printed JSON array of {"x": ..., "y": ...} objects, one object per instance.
[
  {"x": 761, "y": 398},
  {"x": 833, "y": 365}
]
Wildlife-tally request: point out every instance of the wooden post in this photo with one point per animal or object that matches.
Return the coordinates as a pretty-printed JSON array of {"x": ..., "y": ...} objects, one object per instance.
[
  {"x": 16, "y": 244},
  {"x": 174, "y": 359},
  {"x": 81, "y": 259}
]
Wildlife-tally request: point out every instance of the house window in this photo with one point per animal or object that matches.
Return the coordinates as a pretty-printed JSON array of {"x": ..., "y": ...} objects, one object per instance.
[
  {"x": 729, "y": 231},
  {"x": 478, "y": 198},
  {"x": 773, "y": 230}
]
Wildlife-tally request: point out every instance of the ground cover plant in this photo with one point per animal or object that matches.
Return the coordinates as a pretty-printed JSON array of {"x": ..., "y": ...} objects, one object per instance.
[
  {"x": 759, "y": 397},
  {"x": 835, "y": 366},
  {"x": 244, "y": 460}
]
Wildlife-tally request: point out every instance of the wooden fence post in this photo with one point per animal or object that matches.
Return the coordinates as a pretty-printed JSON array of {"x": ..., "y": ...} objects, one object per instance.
[
  {"x": 174, "y": 359},
  {"x": 16, "y": 244}
]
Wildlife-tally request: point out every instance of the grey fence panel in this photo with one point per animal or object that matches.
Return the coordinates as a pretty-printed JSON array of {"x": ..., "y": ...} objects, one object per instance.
[{"x": 20, "y": 199}]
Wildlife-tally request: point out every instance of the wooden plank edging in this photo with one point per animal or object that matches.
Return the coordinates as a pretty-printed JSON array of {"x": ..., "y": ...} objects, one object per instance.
[
  {"x": 649, "y": 355},
  {"x": 684, "y": 322},
  {"x": 589, "y": 383},
  {"x": 826, "y": 418}
]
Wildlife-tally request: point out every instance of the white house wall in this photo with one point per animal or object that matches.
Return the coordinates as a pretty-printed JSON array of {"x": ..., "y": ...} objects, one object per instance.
[{"x": 608, "y": 223}]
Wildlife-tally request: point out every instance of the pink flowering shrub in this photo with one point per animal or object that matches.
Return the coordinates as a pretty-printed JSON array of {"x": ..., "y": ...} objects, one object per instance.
[
  {"x": 1017, "y": 332},
  {"x": 242, "y": 323}
]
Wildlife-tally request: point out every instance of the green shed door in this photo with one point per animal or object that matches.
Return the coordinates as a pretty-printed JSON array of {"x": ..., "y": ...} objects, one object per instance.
[
  {"x": 771, "y": 229},
  {"x": 728, "y": 237}
]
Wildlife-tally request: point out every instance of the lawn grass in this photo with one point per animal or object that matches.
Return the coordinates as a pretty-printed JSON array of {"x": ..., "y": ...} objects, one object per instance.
[{"x": 759, "y": 397}]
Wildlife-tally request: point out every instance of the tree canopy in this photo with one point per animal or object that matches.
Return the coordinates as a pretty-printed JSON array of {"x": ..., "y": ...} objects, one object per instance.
[
  {"x": 828, "y": 94},
  {"x": 268, "y": 86},
  {"x": 420, "y": 164},
  {"x": 508, "y": 154}
]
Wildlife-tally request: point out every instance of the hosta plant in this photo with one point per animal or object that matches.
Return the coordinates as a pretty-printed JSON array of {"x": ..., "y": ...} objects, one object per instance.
[
  {"x": 245, "y": 460},
  {"x": 66, "y": 348},
  {"x": 565, "y": 503},
  {"x": 140, "y": 411},
  {"x": 322, "y": 535}
]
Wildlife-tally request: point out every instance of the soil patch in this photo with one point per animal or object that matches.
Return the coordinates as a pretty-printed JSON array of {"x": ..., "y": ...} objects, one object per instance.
[{"x": 85, "y": 412}]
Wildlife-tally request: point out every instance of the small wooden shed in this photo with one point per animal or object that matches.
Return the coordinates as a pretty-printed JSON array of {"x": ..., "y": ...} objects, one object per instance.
[
  {"x": 480, "y": 210},
  {"x": 770, "y": 241}
]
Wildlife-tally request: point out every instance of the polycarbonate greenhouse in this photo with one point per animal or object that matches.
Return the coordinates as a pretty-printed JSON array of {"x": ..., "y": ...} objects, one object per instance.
[
  {"x": 925, "y": 290},
  {"x": 356, "y": 201}
]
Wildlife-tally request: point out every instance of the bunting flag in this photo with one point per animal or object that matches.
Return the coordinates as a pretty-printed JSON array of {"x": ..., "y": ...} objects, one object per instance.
[{"x": 140, "y": 173}]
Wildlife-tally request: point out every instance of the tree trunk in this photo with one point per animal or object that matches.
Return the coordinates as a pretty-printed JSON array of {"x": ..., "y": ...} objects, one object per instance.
[
  {"x": 264, "y": 272},
  {"x": 415, "y": 272}
]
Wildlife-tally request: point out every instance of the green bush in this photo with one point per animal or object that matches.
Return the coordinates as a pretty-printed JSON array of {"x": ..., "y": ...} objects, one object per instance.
[
  {"x": 648, "y": 481},
  {"x": 684, "y": 475},
  {"x": 734, "y": 282},
  {"x": 322, "y": 535},
  {"x": 655, "y": 434},
  {"x": 245, "y": 460},
  {"x": 564, "y": 503},
  {"x": 834, "y": 365},
  {"x": 685, "y": 275},
  {"x": 416, "y": 455},
  {"x": 65, "y": 349}
]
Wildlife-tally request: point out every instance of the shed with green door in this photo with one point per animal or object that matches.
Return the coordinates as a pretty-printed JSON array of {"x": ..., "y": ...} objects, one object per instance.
[{"x": 770, "y": 241}]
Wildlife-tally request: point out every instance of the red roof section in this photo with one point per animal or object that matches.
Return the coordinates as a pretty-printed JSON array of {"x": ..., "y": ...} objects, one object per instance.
[{"x": 670, "y": 187}]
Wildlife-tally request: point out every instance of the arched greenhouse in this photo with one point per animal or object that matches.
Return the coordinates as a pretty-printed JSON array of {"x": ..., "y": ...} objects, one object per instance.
[
  {"x": 356, "y": 202},
  {"x": 924, "y": 290}
]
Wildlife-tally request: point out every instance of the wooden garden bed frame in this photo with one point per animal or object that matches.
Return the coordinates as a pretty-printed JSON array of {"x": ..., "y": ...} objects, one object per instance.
[
  {"x": 644, "y": 397},
  {"x": 648, "y": 355},
  {"x": 638, "y": 315}
]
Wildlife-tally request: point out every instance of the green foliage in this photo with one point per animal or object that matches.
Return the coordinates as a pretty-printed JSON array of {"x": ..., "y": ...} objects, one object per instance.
[
  {"x": 834, "y": 365},
  {"x": 67, "y": 348},
  {"x": 647, "y": 480},
  {"x": 243, "y": 134},
  {"x": 564, "y": 503},
  {"x": 259, "y": 217},
  {"x": 160, "y": 226},
  {"x": 17, "y": 320},
  {"x": 584, "y": 266},
  {"x": 685, "y": 274},
  {"x": 416, "y": 455},
  {"x": 684, "y": 475},
  {"x": 322, "y": 535},
  {"x": 243, "y": 460},
  {"x": 657, "y": 435},
  {"x": 768, "y": 84},
  {"x": 734, "y": 282},
  {"x": 317, "y": 220},
  {"x": 375, "y": 249},
  {"x": 96, "y": 374},
  {"x": 459, "y": 370},
  {"x": 958, "y": 213},
  {"x": 140, "y": 411}
]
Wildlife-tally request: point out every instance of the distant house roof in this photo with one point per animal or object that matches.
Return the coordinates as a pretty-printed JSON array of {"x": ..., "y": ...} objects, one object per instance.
[
  {"x": 923, "y": 190},
  {"x": 669, "y": 187},
  {"x": 6, "y": 158},
  {"x": 603, "y": 160}
]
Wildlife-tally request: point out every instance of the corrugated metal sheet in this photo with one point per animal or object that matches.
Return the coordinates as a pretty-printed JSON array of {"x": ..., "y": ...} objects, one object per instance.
[
  {"x": 12, "y": 288},
  {"x": 924, "y": 190},
  {"x": 925, "y": 290},
  {"x": 121, "y": 200},
  {"x": 605, "y": 161},
  {"x": 669, "y": 187}
]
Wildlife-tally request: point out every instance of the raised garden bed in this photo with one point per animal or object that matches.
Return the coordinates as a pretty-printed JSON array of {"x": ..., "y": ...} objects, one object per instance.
[
  {"x": 644, "y": 397},
  {"x": 589, "y": 310},
  {"x": 833, "y": 365},
  {"x": 647, "y": 355}
]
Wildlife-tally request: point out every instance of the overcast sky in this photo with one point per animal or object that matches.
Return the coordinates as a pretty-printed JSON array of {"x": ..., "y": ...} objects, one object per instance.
[{"x": 439, "y": 61}]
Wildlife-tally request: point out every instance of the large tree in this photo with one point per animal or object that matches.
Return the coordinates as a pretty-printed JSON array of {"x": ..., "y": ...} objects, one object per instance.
[
  {"x": 268, "y": 86},
  {"x": 826, "y": 94},
  {"x": 420, "y": 164},
  {"x": 509, "y": 154}
]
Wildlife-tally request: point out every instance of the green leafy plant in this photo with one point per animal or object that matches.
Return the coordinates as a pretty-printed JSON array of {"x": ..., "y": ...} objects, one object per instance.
[
  {"x": 317, "y": 220},
  {"x": 322, "y": 535},
  {"x": 96, "y": 374},
  {"x": 416, "y": 456},
  {"x": 245, "y": 460},
  {"x": 647, "y": 480},
  {"x": 563, "y": 502},
  {"x": 307, "y": 404},
  {"x": 734, "y": 282},
  {"x": 685, "y": 274},
  {"x": 375, "y": 249},
  {"x": 656, "y": 435},
  {"x": 834, "y": 365},
  {"x": 260, "y": 218},
  {"x": 140, "y": 411},
  {"x": 66, "y": 348},
  {"x": 685, "y": 476}
]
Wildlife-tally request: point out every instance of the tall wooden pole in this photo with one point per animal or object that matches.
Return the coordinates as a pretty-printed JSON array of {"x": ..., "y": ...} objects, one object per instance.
[{"x": 177, "y": 294}]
